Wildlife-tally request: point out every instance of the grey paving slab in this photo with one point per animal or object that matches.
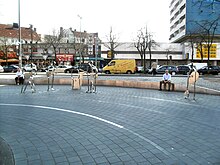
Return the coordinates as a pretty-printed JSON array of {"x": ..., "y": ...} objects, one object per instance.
[{"x": 114, "y": 126}]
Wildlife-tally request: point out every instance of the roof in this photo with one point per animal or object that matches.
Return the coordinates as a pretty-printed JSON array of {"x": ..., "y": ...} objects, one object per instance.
[{"x": 8, "y": 31}]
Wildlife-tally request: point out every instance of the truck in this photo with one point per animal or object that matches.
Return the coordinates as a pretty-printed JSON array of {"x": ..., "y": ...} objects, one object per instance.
[{"x": 120, "y": 66}]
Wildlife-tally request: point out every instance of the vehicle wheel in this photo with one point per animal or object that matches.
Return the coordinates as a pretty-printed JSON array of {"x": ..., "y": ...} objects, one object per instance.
[
  {"x": 107, "y": 72},
  {"x": 129, "y": 72},
  {"x": 173, "y": 73}
]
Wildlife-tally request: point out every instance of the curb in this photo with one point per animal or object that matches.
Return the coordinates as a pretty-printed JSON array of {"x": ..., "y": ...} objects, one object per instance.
[{"x": 117, "y": 83}]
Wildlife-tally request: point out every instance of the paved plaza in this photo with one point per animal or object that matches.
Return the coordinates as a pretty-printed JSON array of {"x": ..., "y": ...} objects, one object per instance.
[{"x": 115, "y": 126}]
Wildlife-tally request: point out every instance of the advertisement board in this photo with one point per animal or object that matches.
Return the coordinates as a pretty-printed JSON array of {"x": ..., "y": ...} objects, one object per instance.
[{"x": 204, "y": 51}]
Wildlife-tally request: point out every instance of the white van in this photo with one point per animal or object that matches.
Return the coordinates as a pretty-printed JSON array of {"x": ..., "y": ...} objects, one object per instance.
[{"x": 197, "y": 65}]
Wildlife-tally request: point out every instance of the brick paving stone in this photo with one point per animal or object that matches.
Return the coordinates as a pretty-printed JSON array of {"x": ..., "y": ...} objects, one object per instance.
[{"x": 114, "y": 126}]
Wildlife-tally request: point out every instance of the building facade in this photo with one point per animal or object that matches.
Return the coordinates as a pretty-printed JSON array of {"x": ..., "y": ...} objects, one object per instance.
[
  {"x": 188, "y": 16},
  {"x": 72, "y": 48},
  {"x": 162, "y": 53},
  {"x": 196, "y": 26}
]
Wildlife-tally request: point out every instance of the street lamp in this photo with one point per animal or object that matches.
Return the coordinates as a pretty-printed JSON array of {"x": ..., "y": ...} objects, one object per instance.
[
  {"x": 31, "y": 42},
  {"x": 19, "y": 37},
  {"x": 80, "y": 48}
]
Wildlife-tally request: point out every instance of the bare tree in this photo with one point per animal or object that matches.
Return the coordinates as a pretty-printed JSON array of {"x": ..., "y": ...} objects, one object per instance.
[
  {"x": 139, "y": 47},
  {"x": 206, "y": 4},
  {"x": 195, "y": 42},
  {"x": 54, "y": 40},
  {"x": 143, "y": 43},
  {"x": 204, "y": 32},
  {"x": 112, "y": 43},
  {"x": 207, "y": 34}
]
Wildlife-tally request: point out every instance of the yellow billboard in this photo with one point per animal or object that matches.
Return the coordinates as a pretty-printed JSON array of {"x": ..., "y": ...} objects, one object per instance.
[{"x": 213, "y": 52}]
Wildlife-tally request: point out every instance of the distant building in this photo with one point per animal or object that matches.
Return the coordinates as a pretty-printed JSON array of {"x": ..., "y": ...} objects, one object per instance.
[
  {"x": 88, "y": 43},
  {"x": 9, "y": 37},
  {"x": 162, "y": 53},
  {"x": 196, "y": 21},
  {"x": 187, "y": 15}
]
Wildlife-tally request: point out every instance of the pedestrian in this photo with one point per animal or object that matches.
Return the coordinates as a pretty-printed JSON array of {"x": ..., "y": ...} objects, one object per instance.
[
  {"x": 19, "y": 79},
  {"x": 166, "y": 80},
  {"x": 154, "y": 67}
]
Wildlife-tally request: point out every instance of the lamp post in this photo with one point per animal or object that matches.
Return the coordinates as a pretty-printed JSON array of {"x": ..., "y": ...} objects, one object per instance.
[
  {"x": 19, "y": 36},
  {"x": 80, "y": 47},
  {"x": 31, "y": 42}
]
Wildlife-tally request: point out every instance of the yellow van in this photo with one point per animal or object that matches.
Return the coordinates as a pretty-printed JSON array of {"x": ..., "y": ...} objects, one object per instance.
[{"x": 120, "y": 66}]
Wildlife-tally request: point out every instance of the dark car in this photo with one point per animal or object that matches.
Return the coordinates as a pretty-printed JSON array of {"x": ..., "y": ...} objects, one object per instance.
[
  {"x": 73, "y": 69},
  {"x": 10, "y": 68},
  {"x": 183, "y": 69},
  {"x": 218, "y": 69},
  {"x": 209, "y": 70},
  {"x": 172, "y": 69},
  {"x": 78, "y": 68}
]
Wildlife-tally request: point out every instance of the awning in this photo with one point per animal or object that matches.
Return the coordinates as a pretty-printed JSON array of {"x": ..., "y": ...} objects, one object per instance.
[{"x": 9, "y": 60}]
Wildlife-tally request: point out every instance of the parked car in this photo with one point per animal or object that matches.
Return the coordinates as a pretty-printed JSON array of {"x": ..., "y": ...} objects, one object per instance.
[
  {"x": 10, "y": 68},
  {"x": 209, "y": 70},
  {"x": 85, "y": 67},
  {"x": 1, "y": 69},
  {"x": 30, "y": 67},
  {"x": 183, "y": 69},
  {"x": 172, "y": 69},
  {"x": 62, "y": 68},
  {"x": 150, "y": 69},
  {"x": 50, "y": 68},
  {"x": 73, "y": 69},
  {"x": 218, "y": 69}
]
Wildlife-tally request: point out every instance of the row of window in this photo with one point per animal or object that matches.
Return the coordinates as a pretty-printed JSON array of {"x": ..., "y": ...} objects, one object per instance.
[
  {"x": 178, "y": 22},
  {"x": 178, "y": 13},
  {"x": 182, "y": 28},
  {"x": 175, "y": 6}
]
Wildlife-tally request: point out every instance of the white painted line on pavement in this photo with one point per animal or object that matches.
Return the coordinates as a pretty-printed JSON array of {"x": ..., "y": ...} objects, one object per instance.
[
  {"x": 132, "y": 106},
  {"x": 148, "y": 140},
  {"x": 209, "y": 89},
  {"x": 94, "y": 117},
  {"x": 65, "y": 110},
  {"x": 165, "y": 100}
]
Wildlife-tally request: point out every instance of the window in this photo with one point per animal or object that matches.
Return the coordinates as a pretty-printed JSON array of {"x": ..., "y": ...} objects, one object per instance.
[{"x": 112, "y": 63}]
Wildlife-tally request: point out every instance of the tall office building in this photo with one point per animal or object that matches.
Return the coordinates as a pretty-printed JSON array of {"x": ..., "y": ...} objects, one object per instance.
[{"x": 190, "y": 16}]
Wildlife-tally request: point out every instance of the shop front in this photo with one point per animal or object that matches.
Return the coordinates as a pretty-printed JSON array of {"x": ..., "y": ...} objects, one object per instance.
[{"x": 65, "y": 59}]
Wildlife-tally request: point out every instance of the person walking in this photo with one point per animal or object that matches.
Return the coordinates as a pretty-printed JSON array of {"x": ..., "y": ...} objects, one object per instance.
[{"x": 154, "y": 67}]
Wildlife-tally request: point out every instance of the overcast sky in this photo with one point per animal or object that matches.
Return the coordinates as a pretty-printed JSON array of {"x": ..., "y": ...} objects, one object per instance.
[{"x": 125, "y": 17}]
